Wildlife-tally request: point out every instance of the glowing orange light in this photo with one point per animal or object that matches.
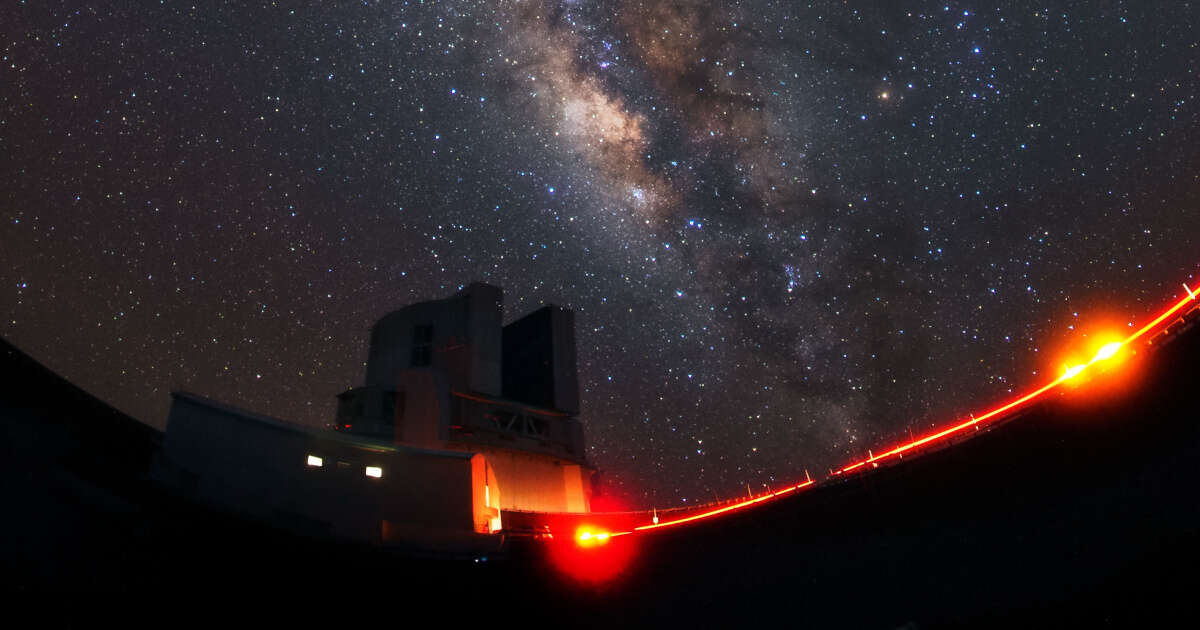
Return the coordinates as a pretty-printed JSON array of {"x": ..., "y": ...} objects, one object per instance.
[
  {"x": 599, "y": 559},
  {"x": 586, "y": 537},
  {"x": 1072, "y": 371},
  {"x": 1107, "y": 351}
]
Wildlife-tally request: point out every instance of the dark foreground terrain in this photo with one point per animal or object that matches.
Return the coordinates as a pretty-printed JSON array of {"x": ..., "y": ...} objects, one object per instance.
[{"x": 1082, "y": 512}]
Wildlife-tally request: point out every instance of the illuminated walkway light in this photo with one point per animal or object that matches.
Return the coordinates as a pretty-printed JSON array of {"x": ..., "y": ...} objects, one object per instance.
[
  {"x": 589, "y": 538},
  {"x": 1072, "y": 372},
  {"x": 1108, "y": 351}
]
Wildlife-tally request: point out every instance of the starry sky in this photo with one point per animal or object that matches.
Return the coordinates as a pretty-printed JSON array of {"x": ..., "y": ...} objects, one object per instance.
[{"x": 791, "y": 231}]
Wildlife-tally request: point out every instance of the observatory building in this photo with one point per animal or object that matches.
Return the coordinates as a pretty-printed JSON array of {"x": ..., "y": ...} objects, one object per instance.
[
  {"x": 447, "y": 374},
  {"x": 460, "y": 419}
]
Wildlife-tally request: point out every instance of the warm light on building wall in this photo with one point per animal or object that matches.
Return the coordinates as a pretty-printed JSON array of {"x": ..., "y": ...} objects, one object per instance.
[
  {"x": 374, "y": 471},
  {"x": 315, "y": 461}
]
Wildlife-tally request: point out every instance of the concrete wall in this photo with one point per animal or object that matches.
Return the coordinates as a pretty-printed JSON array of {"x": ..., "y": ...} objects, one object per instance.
[
  {"x": 425, "y": 416},
  {"x": 466, "y": 340}
]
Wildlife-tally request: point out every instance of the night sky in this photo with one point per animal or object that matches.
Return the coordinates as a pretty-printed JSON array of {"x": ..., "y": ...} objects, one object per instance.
[{"x": 790, "y": 231}]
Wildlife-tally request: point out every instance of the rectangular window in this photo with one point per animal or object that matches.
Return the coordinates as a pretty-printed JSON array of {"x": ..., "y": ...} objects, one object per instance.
[
  {"x": 374, "y": 471},
  {"x": 315, "y": 461},
  {"x": 422, "y": 346}
]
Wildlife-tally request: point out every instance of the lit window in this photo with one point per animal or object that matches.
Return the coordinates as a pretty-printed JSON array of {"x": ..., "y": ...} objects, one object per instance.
[
  {"x": 313, "y": 460},
  {"x": 374, "y": 471}
]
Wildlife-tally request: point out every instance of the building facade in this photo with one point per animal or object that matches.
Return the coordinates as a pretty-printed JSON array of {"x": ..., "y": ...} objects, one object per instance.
[{"x": 328, "y": 484}]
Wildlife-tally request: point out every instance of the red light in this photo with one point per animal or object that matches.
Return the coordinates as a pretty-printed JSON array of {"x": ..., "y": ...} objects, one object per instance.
[
  {"x": 727, "y": 508},
  {"x": 594, "y": 561},
  {"x": 1072, "y": 371},
  {"x": 607, "y": 502},
  {"x": 1107, "y": 351},
  {"x": 588, "y": 538}
]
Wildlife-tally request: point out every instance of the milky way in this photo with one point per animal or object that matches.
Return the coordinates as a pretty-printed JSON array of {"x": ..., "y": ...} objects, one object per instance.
[{"x": 791, "y": 232}]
